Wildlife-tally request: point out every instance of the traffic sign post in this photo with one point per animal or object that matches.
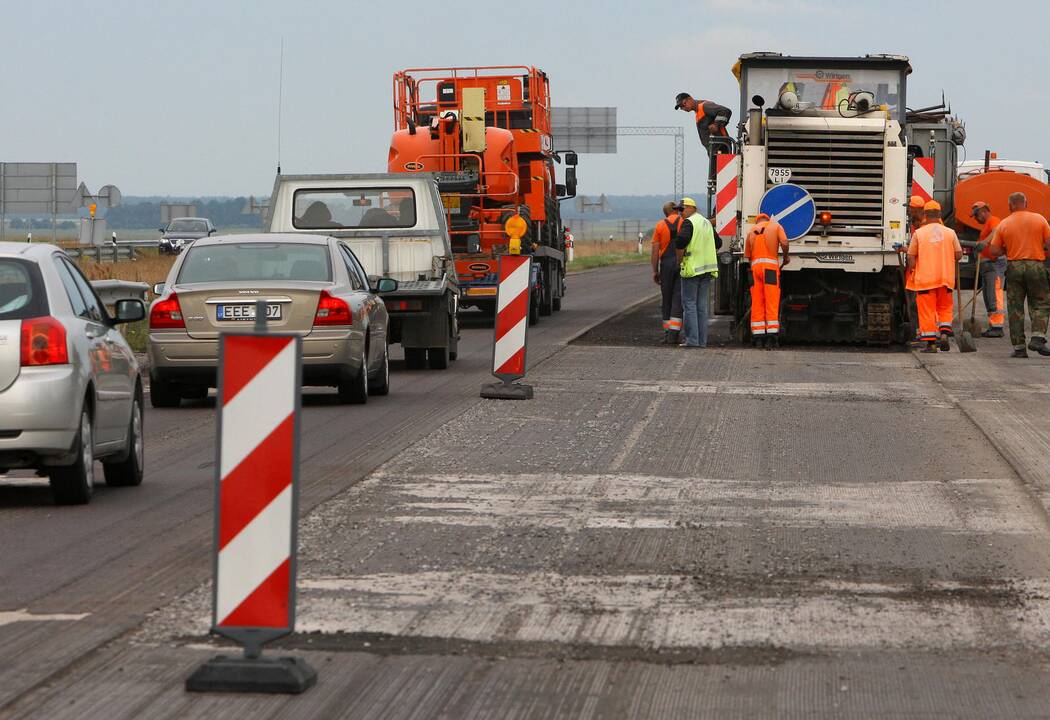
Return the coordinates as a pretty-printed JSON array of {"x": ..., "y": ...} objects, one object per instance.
[
  {"x": 792, "y": 207},
  {"x": 512, "y": 320},
  {"x": 256, "y": 500}
]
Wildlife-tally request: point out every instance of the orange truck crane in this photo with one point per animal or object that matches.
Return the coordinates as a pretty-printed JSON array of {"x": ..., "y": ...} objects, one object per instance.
[{"x": 485, "y": 135}]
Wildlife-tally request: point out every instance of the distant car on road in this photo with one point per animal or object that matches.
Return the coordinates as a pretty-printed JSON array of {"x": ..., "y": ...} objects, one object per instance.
[
  {"x": 70, "y": 392},
  {"x": 313, "y": 285},
  {"x": 181, "y": 232}
]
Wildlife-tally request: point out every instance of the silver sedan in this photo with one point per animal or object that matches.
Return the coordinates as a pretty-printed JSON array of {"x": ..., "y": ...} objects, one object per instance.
[
  {"x": 312, "y": 285},
  {"x": 69, "y": 383}
]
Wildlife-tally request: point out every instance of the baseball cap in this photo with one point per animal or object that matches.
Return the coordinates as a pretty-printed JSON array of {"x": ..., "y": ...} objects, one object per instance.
[
  {"x": 688, "y": 202},
  {"x": 761, "y": 216},
  {"x": 979, "y": 205},
  {"x": 916, "y": 201},
  {"x": 932, "y": 205},
  {"x": 679, "y": 98}
]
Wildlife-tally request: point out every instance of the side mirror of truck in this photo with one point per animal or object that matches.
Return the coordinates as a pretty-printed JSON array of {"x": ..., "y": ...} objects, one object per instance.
[
  {"x": 571, "y": 158},
  {"x": 562, "y": 192},
  {"x": 386, "y": 285},
  {"x": 570, "y": 181}
]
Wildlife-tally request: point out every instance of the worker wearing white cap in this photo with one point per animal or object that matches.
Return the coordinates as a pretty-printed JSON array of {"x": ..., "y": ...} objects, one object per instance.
[{"x": 695, "y": 249}]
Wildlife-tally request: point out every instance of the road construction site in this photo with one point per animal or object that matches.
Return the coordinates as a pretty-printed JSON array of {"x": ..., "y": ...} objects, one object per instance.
[{"x": 724, "y": 533}]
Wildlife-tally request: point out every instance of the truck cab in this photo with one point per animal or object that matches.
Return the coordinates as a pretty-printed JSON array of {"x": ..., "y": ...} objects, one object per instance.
[{"x": 395, "y": 224}]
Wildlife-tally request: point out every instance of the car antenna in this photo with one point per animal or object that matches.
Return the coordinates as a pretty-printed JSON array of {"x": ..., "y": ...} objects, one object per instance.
[{"x": 280, "y": 104}]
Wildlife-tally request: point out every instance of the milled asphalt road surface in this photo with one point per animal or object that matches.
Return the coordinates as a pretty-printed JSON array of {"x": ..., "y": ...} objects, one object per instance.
[{"x": 661, "y": 533}]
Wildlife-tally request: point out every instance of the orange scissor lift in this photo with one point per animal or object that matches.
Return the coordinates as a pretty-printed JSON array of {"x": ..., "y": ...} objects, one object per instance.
[{"x": 485, "y": 134}]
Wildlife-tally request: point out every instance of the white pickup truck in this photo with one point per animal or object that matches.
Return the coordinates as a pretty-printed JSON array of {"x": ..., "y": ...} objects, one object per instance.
[{"x": 396, "y": 226}]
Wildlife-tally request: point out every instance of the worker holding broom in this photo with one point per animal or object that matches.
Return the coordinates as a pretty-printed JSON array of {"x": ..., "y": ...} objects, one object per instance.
[
  {"x": 666, "y": 273},
  {"x": 993, "y": 270},
  {"x": 1023, "y": 237},
  {"x": 933, "y": 258}
]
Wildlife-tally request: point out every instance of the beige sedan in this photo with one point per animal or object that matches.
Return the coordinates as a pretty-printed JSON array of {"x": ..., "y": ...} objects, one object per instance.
[{"x": 313, "y": 285}]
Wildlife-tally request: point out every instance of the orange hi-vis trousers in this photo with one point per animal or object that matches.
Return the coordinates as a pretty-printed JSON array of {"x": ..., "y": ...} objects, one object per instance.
[
  {"x": 765, "y": 296},
  {"x": 935, "y": 312}
]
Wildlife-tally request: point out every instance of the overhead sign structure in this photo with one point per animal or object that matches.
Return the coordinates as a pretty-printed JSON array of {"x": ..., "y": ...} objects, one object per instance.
[
  {"x": 584, "y": 129},
  {"x": 792, "y": 206},
  {"x": 256, "y": 511},
  {"x": 37, "y": 189}
]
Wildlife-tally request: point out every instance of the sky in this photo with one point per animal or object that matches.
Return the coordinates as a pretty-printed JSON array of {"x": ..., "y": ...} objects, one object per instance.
[{"x": 165, "y": 98}]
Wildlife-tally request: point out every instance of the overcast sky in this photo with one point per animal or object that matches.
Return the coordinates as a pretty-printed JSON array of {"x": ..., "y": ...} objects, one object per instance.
[{"x": 180, "y": 97}]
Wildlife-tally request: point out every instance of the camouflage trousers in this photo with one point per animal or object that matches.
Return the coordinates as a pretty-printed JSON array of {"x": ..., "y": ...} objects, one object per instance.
[{"x": 1027, "y": 280}]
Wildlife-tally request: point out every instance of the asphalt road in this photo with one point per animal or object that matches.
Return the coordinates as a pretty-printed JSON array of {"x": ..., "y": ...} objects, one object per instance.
[
  {"x": 133, "y": 550},
  {"x": 661, "y": 533}
]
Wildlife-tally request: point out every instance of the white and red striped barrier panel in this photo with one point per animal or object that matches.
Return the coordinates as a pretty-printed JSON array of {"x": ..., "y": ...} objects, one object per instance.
[
  {"x": 727, "y": 169},
  {"x": 512, "y": 317},
  {"x": 922, "y": 171},
  {"x": 257, "y": 469}
]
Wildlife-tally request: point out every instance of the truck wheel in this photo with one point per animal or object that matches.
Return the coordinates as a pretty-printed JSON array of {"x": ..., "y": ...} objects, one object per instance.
[
  {"x": 437, "y": 358},
  {"x": 73, "y": 484},
  {"x": 164, "y": 394},
  {"x": 415, "y": 358},
  {"x": 546, "y": 294}
]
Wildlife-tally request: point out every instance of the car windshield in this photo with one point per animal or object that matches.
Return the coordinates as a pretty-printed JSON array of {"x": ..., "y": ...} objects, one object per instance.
[
  {"x": 194, "y": 226},
  {"x": 21, "y": 293},
  {"x": 256, "y": 262},
  {"x": 354, "y": 208}
]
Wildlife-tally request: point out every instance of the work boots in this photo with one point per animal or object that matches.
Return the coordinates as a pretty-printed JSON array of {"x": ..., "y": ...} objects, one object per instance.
[
  {"x": 772, "y": 341},
  {"x": 993, "y": 332},
  {"x": 1019, "y": 352},
  {"x": 673, "y": 337},
  {"x": 931, "y": 347},
  {"x": 943, "y": 343},
  {"x": 1039, "y": 345}
]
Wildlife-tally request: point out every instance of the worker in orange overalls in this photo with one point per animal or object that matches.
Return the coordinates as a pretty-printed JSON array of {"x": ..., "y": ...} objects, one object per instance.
[
  {"x": 916, "y": 217},
  {"x": 761, "y": 247},
  {"x": 993, "y": 271},
  {"x": 666, "y": 272},
  {"x": 933, "y": 257}
]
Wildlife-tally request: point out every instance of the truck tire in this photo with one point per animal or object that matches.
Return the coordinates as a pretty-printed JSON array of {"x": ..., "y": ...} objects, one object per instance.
[
  {"x": 546, "y": 292},
  {"x": 438, "y": 357},
  {"x": 415, "y": 358}
]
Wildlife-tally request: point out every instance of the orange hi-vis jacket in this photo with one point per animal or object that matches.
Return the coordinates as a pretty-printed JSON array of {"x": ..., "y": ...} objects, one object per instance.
[
  {"x": 665, "y": 232},
  {"x": 986, "y": 231},
  {"x": 934, "y": 247},
  {"x": 764, "y": 242}
]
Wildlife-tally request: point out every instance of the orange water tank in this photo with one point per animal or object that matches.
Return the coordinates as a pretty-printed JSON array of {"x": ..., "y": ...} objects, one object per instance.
[
  {"x": 420, "y": 153},
  {"x": 994, "y": 187}
]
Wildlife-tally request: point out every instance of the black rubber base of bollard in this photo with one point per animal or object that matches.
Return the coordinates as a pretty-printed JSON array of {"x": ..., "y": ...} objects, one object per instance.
[
  {"x": 288, "y": 675},
  {"x": 506, "y": 391}
]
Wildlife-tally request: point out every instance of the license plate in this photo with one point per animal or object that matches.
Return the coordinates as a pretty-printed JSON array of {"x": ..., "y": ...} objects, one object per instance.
[
  {"x": 835, "y": 258},
  {"x": 246, "y": 312}
]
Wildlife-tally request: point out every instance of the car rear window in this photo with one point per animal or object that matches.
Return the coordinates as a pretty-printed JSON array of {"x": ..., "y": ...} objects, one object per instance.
[
  {"x": 351, "y": 208},
  {"x": 21, "y": 290},
  {"x": 256, "y": 262}
]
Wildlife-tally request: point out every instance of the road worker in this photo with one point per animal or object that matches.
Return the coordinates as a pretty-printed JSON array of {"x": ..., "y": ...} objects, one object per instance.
[
  {"x": 711, "y": 118},
  {"x": 933, "y": 257},
  {"x": 763, "y": 243},
  {"x": 916, "y": 217},
  {"x": 1023, "y": 236},
  {"x": 695, "y": 247},
  {"x": 666, "y": 273},
  {"x": 915, "y": 212},
  {"x": 993, "y": 271}
]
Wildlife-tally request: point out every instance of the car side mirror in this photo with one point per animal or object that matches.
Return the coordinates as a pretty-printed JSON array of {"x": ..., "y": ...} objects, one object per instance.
[
  {"x": 212, "y": 231},
  {"x": 158, "y": 288},
  {"x": 386, "y": 285},
  {"x": 127, "y": 311}
]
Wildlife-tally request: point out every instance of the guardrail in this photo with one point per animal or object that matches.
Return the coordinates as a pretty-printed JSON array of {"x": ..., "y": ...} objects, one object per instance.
[
  {"x": 110, "y": 291},
  {"x": 103, "y": 252}
]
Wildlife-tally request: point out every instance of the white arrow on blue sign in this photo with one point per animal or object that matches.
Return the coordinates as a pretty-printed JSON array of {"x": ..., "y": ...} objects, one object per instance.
[{"x": 791, "y": 206}]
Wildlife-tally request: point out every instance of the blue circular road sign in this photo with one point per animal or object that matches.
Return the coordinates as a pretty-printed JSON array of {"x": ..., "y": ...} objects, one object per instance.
[{"x": 791, "y": 206}]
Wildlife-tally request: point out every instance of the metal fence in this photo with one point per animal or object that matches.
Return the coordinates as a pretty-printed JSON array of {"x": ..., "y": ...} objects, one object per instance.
[{"x": 101, "y": 253}]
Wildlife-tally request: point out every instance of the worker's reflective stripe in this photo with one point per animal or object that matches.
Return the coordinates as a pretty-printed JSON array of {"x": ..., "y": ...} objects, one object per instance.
[
  {"x": 758, "y": 324},
  {"x": 674, "y": 324},
  {"x": 764, "y": 261},
  {"x": 759, "y": 332},
  {"x": 701, "y": 269},
  {"x": 667, "y": 324}
]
